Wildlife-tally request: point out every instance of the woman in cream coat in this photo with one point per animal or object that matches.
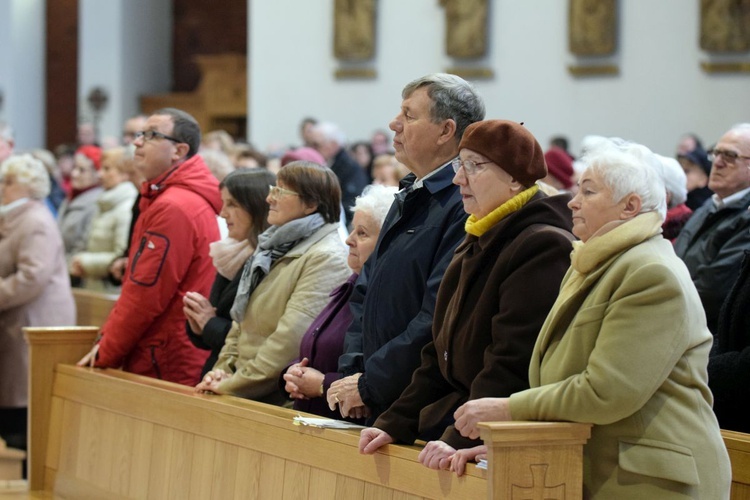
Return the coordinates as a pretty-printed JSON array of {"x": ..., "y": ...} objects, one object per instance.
[
  {"x": 110, "y": 227},
  {"x": 284, "y": 285},
  {"x": 34, "y": 283},
  {"x": 625, "y": 347}
]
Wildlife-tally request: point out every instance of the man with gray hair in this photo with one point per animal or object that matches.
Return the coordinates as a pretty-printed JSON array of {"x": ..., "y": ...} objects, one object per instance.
[
  {"x": 713, "y": 241},
  {"x": 394, "y": 298},
  {"x": 329, "y": 140}
]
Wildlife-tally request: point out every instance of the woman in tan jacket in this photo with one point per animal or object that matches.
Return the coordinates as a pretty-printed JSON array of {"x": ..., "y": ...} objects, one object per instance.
[
  {"x": 34, "y": 284},
  {"x": 625, "y": 347},
  {"x": 284, "y": 285}
]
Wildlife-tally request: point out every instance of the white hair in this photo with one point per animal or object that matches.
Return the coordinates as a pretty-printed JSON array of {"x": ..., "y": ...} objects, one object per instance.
[
  {"x": 627, "y": 167},
  {"x": 331, "y": 132},
  {"x": 375, "y": 201},
  {"x": 27, "y": 170},
  {"x": 674, "y": 180},
  {"x": 217, "y": 162}
]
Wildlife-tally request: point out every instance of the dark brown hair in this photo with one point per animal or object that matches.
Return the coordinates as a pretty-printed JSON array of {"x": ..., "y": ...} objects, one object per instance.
[
  {"x": 316, "y": 185},
  {"x": 250, "y": 188}
]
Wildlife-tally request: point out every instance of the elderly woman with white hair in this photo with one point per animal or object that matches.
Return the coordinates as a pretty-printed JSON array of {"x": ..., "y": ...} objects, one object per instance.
[
  {"x": 625, "y": 347},
  {"x": 34, "y": 284},
  {"x": 307, "y": 379}
]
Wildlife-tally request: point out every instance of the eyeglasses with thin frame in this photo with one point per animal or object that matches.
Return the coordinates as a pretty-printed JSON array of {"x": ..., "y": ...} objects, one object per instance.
[
  {"x": 150, "y": 135},
  {"x": 277, "y": 192},
  {"x": 470, "y": 167},
  {"x": 729, "y": 156}
]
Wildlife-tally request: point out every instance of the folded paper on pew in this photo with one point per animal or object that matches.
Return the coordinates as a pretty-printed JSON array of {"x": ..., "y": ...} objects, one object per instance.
[{"x": 325, "y": 423}]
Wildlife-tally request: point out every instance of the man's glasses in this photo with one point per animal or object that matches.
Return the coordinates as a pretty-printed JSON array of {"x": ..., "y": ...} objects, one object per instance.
[
  {"x": 150, "y": 135},
  {"x": 729, "y": 156},
  {"x": 277, "y": 192},
  {"x": 470, "y": 167}
]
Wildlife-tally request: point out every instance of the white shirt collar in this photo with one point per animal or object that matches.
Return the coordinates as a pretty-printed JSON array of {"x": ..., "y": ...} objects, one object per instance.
[
  {"x": 722, "y": 202},
  {"x": 420, "y": 182}
]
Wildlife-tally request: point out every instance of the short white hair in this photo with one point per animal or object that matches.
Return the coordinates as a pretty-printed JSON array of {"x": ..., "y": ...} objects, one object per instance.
[
  {"x": 331, "y": 132},
  {"x": 27, "y": 170},
  {"x": 627, "y": 167},
  {"x": 375, "y": 201},
  {"x": 674, "y": 180},
  {"x": 217, "y": 162}
]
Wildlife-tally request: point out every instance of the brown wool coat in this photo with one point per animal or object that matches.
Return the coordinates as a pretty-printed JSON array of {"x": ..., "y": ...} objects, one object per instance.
[
  {"x": 491, "y": 304},
  {"x": 34, "y": 291}
]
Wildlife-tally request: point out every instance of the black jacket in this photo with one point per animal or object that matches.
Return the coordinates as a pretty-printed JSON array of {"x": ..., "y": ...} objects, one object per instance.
[
  {"x": 394, "y": 299},
  {"x": 216, "y": 329},
  {"x": 729, "y": 364}
]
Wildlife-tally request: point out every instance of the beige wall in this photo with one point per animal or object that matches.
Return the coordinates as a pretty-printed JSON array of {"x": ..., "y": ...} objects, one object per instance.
[{"x": 660, "y": 92}]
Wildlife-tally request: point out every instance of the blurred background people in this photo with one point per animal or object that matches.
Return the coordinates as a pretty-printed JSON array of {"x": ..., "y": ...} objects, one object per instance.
[
  {"x": 131, "y": 127},
  {"x": 78, "y": 209},
  {"x": 110, "y": 227},
  {"x": 697, "y": 168},
  {"x": 363, "y": 155},
  {"x": 284, "y": 286},
  {"x": 34, "y": 284},
  {"x": 245, "y": 211},
  {"x": 560, "y": 174},
  {"x": 330, "y": 142},
  {"x": 675, "y": 182}
]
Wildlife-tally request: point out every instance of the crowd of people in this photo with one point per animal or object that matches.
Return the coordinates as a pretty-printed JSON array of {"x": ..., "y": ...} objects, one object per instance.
[{"x": 485, "y": 279}]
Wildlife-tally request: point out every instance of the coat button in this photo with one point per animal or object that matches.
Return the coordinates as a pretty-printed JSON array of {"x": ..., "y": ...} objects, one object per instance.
[{"x": 445, "y": 355}]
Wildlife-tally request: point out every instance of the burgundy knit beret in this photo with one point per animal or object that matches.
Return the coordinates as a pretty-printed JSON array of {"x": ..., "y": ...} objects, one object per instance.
[
  {"x": 560, "y": 166},
  {"x": 509, "y": 145}
]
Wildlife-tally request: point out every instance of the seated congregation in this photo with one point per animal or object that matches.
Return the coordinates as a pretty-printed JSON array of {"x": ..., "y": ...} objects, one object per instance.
[{"x": 477, "y": 292}]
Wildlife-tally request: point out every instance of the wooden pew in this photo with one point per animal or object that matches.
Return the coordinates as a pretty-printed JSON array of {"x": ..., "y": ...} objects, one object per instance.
[
  {"x": 738, "y": 445},
  {"x": 92, "y": 308},
  {"x": 111, "y": 434}
]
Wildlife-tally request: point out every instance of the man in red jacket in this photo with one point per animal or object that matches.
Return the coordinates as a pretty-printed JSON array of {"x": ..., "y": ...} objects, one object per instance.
[{"x": 145, "y": 332}]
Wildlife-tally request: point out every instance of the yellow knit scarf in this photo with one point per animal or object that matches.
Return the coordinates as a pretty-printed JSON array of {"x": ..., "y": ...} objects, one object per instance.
[
  {"x": 477, "y": 227},
  {"x": 610, "y": 239}
]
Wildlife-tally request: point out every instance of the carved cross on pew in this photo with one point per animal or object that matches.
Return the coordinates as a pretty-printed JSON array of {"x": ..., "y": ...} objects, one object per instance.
[{"x": 538, "y": 489}]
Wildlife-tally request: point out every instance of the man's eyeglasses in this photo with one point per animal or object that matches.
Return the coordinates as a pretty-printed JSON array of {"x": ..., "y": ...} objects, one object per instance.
[
  {"x": 277, "y": 192},
  {"x": 729, "y": 156},
  {"x": 470, "y": 167},
  {"x": 150, "y": 135}
]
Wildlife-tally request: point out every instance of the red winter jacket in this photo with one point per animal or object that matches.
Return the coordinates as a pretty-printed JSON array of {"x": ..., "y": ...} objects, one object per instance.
[{"x": 145, "y": 333}]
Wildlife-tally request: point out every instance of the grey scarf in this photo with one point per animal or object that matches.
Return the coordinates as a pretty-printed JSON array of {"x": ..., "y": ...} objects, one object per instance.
[{"x": 273, "y": 243}]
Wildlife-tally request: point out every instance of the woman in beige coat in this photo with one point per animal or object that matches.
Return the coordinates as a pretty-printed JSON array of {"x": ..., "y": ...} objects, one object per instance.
[
  {"x": 34, "y": 284},
  {"x": 110, "y": 227},
  {"x": 299, "y": 260},
  {"x": 625, "y": 346}
]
